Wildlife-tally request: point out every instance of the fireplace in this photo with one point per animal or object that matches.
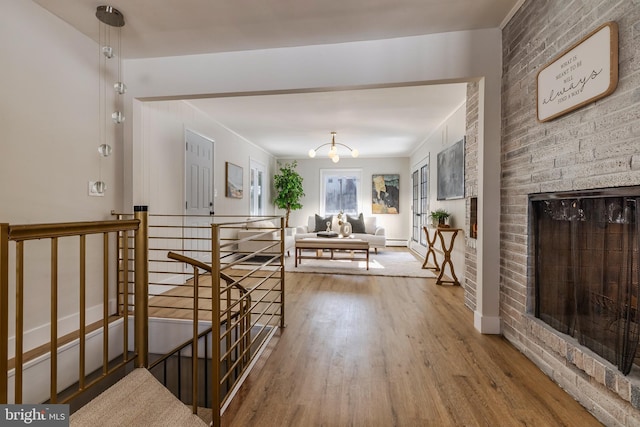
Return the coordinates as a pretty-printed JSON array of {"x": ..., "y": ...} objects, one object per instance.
[{"x": 585, "y": 259}]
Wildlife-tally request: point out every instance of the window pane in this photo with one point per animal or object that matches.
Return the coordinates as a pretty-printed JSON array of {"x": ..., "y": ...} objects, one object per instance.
[
  {"x": 341, "y": 194},
  {"x": 416, "y": 208},
  {"x": 341, "y": 191}
]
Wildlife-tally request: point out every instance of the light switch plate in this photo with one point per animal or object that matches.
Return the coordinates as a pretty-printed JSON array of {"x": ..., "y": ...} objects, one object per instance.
[{"x": 92, "y": 191}]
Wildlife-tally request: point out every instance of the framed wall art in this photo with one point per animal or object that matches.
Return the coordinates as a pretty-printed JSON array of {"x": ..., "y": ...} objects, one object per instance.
[
  {"x": 385, "y": 194},
  {"x": 585, "y": 72},
  {"x": 450, "y": 172},
  {"x": 233, "y": 174}
]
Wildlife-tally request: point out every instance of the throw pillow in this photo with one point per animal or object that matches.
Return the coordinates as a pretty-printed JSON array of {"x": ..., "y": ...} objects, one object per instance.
[
  {"x": 321, "y": 223},
  {"x": 370, "y": 225},
  {"x": 357, "y": 223}
]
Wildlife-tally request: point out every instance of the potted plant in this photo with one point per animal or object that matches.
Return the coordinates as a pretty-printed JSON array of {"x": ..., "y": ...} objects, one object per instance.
[
  {"x": 288, "y": 187},
  {"x": 439, "y": 217}
]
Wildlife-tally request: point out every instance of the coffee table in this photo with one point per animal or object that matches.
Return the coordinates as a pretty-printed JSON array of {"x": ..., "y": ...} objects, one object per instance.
[{"x": 346, "y": 244}]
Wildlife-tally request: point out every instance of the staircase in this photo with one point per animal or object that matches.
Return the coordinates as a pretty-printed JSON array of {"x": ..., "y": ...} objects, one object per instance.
[{"x": 136, "y": 400}]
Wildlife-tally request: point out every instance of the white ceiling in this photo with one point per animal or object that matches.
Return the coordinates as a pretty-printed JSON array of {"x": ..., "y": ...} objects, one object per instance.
[
  {"x": 379, "y": 122},
  {"x": 386, "y": 122}
]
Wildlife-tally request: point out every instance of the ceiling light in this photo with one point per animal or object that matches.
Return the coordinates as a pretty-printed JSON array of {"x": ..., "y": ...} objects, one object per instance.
[{"x": 333, "y": 150}]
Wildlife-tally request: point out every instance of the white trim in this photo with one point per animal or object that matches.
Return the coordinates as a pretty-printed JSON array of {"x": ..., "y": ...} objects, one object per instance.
[
  {"x": 486, "y": 324},
  {"x": 396, "y": 242}
]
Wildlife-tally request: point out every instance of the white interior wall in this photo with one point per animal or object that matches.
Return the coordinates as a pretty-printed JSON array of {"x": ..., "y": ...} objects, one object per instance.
[
  {"x": 48, "y": 150},
  {"x": 162, "y": 125},
  {"x": 396, "y": 226},
  {"x": 452, "y": 130},
  {"x": 49, "y": 121}
]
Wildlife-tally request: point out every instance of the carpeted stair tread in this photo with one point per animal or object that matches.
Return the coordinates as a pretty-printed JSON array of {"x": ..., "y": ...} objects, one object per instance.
[{"x": 136, "y": 400}]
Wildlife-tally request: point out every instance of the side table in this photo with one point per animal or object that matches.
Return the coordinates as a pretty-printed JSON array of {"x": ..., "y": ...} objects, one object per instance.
[
  {"x": 446, "y": 250},
  {"x": 431, "y": 241}
]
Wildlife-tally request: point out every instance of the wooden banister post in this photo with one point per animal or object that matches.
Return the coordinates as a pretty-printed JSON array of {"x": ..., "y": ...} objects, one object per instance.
[
  {"x": 141, "y": 298},
  {"x": 215, "y": 324},
  {"x": 282, "y": 231}
]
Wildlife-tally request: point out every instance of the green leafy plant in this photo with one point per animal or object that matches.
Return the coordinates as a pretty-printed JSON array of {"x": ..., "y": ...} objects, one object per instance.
[
  {"x": 439, "y": 216},
  {"x": 289, "y": 190}
]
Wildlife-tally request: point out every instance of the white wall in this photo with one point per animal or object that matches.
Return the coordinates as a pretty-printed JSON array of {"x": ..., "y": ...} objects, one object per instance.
[
  {"x": 396, "y": 226},
  {"x": 451, "y": 131},
  {"x": 48, "y": 148},
  {"x": 161, "y": 126},
  {"x": 49, "y": 121}
]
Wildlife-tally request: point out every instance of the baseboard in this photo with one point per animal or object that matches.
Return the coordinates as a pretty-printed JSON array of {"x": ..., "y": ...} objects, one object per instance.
[
  {"x": 398, "y": 242},
  {"x": 487, "y": 324}
]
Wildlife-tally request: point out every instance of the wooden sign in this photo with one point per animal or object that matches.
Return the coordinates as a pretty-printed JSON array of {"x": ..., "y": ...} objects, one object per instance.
[{"x": 585, "y": 72}]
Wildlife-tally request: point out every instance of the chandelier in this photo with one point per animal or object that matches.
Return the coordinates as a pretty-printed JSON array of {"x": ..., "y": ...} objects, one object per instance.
[
  {"x": 110, "y": 22},
  {"x": 333, "y": 150}
]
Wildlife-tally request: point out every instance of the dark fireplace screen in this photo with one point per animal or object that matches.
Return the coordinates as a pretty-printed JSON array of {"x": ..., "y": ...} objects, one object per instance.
[{"x": 586, "y": 271}]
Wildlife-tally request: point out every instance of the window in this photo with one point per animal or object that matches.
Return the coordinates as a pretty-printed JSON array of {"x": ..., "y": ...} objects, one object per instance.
[
  {"x": 340, "y": 190},
  {"x": 416, "y": 209},
  {"x": 424, "y": 200},
  {"x": 420, "y": 183}
]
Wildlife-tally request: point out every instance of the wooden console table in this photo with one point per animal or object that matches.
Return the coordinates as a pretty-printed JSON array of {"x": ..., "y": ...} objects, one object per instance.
[{"x": 451, "y": 234}]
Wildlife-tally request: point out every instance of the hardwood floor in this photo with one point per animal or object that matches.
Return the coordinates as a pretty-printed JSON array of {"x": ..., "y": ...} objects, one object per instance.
[{"x": 385, "y": 351}]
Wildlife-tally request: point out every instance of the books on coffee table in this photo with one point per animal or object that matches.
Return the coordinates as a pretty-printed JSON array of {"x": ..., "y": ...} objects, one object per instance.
[{"x": 327, "y": 234}]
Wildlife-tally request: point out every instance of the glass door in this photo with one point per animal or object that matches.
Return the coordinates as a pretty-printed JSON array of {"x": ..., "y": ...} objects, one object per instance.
[{"x": 256, "y": 189}]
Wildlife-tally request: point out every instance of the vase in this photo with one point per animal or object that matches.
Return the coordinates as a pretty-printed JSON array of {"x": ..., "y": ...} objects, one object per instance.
[{"x": 345, "y": 229}]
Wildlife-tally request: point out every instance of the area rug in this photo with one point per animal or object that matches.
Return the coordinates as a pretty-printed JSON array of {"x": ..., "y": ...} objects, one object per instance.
[{"x": 384, "y": 263}]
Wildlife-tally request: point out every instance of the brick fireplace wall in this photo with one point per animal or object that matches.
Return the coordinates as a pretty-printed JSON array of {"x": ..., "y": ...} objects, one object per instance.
[
  {"x": 596, "y": 146},
  {"x": 471, "y": 190}
]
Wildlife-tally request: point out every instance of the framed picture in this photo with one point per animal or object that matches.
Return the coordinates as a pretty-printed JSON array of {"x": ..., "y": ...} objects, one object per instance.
[
  {"x": 450, "y": 172},
  {"x": 385, "y": 194},
  {"x": 233, "y": 175}
]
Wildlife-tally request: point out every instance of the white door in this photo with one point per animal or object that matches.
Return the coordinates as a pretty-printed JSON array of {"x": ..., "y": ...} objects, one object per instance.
[
  {"x": 198, "y": 174},
  {"x": 198, "y": 195}
]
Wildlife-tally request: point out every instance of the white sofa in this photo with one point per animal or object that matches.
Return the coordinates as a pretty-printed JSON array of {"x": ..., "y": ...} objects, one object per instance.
[
  {"x": 374, "y": 234},
  {"x": 271, "y": 237}
]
